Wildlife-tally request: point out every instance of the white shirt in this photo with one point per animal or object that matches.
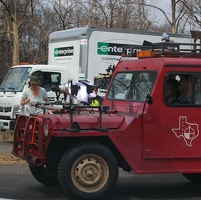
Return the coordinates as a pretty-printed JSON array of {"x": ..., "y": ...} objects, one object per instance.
[{"x": 29, "y": 109}]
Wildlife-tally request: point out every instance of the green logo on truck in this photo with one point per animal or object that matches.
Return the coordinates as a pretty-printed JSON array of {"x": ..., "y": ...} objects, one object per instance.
[
  {"x": 63, "y": 51},
  {"x": 115, "y": 49}
]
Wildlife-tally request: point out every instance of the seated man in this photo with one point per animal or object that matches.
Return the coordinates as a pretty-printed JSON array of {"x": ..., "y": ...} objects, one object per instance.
[
  {"x": 172, "y": 91},
  {"x": 188, "y": 90},
  {"x": 185, "y": 88}
]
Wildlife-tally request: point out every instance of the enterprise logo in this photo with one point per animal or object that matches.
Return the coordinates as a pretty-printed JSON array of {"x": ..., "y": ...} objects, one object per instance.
[
  {"x": 105, "y": 48},
  {"x": 63, "y": 51}
]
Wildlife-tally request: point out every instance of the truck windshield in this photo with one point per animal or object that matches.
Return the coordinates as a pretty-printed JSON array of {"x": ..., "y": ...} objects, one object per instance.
[
  {"x": 132, "y": 86},
  {"x": 15, "y": 79}
]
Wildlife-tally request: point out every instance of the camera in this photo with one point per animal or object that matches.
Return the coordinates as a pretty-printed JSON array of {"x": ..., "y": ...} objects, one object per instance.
[{"x": 67, "y": 88}]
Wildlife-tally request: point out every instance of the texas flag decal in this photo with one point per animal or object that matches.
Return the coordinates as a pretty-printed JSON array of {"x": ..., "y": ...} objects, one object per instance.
[{"x": 189, "y": 131}]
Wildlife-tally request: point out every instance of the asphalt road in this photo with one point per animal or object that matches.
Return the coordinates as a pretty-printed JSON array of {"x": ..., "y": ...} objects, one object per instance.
[
  {"x": 16, "y": 182},
  {"x": 5, "y": 147}
]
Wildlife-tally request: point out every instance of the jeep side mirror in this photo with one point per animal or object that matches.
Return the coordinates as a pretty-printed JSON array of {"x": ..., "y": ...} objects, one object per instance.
[{"x": 149, "y": 99}]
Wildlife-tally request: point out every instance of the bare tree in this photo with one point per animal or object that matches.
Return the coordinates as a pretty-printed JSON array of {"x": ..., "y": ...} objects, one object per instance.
[
  {"x": 91, "y": 15},
  {"x": 126, "y": 14},
  {"x": 64, "y": 12},
  {"x": 17, "y": 13},
  {"x": 178, "y": 13},
  {"x": 34, "y": 39},
  {"x": 194, "y": 13}
]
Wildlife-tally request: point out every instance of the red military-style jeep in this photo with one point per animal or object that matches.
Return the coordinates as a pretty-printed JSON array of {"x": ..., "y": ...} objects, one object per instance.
[{"x": 139, "y": 127}]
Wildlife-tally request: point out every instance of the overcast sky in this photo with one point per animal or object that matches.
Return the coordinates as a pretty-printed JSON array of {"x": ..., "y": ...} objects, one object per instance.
[{"x": 164, "y": 5}]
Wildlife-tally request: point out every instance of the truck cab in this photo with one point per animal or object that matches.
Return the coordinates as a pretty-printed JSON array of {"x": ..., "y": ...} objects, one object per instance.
[
  {"x": 16, "y": 81},
  {"x": 138, "y": 127}
]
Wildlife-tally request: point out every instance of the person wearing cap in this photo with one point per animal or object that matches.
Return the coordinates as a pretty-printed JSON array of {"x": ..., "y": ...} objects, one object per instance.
[{"x": 32, "y": 95}]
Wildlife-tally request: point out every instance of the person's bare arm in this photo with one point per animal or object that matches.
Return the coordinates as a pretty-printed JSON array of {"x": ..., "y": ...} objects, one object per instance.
[
  {"x": 24, "y": 101},
  {"x": 47, "y": 99}
]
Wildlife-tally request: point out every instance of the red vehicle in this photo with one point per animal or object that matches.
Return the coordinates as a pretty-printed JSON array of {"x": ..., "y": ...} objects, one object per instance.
[{"x": 137, "y": 128}]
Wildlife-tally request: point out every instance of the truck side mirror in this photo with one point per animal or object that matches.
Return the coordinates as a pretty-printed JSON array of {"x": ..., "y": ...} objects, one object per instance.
[{"x": 149, "y": 99}]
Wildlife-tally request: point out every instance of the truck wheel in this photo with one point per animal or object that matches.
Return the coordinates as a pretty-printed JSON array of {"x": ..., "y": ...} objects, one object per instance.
[
  {"x": 193, "y": 177},
  {"x": 88, "y": 171},
  {"x": 44, "y": 176}
]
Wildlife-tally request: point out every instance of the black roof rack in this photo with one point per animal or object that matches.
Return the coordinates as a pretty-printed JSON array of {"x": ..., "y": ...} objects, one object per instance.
[
  {"x": 177, "y": 49},
  {"x": 167, "y": 48}
]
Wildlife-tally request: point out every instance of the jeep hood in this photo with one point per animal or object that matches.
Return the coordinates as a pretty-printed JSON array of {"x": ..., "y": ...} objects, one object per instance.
[{"x": 86, "y": 121}]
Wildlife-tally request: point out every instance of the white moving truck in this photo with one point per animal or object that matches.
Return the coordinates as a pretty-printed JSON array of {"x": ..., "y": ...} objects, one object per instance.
[
  {"x": 74, "y": 54},
  {"x": 88, "y": 51}
]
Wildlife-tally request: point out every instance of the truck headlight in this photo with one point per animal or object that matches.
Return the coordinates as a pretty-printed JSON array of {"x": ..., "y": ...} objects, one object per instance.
[
  {"x": 46, "y": 128},
  {"x": 15, "y": 110}
]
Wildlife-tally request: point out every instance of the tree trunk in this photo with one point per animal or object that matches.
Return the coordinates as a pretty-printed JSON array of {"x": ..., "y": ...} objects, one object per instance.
[
  {"x": 173, "y": 30},
  {"x": 15, "y": 43}
]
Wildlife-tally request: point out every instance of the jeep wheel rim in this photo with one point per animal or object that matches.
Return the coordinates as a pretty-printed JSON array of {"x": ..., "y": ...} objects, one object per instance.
[{"x": 90, "y": 173}]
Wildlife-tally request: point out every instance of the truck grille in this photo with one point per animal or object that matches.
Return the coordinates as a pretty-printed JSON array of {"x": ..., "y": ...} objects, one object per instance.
[
  {"x": 5, "y": 109},
  {"x": 5, "y": 117}
]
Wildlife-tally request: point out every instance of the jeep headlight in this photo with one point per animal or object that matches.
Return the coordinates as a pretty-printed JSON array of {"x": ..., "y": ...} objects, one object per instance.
[{"x": 46, "y": 128}]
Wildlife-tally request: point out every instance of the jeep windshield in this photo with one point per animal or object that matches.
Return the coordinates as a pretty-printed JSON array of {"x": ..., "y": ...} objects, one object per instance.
[
  {"x": 132, "y": 86},
  {"x": 15, "y": 79}
]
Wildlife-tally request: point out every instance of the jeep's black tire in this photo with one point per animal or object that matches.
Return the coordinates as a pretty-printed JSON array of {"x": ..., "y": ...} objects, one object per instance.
[
  {"x": 88, "y": 171},
  {"x": 44, "y": 176},
  {"x": 193, "y": 177}
]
